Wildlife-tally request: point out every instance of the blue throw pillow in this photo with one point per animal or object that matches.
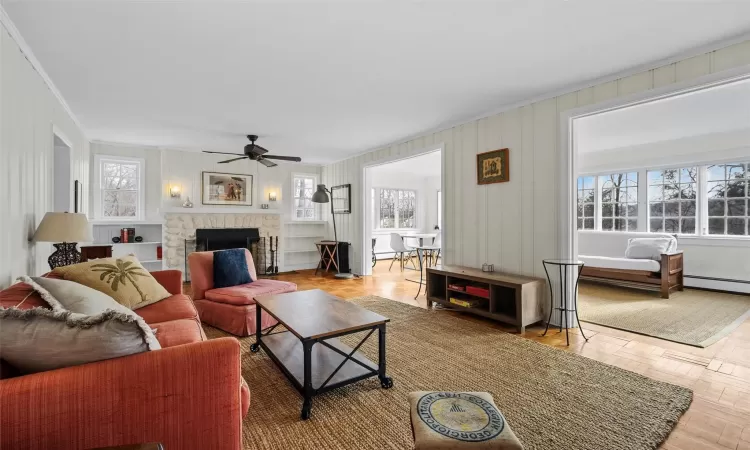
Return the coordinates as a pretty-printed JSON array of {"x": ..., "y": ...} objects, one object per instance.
[{"x": 230, "y": 268}]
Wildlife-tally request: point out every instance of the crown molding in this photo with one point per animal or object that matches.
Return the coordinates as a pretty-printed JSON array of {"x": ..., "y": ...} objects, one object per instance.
[
  {"x": 10, "y": 27},
  {"x": 695, "y": 51}
]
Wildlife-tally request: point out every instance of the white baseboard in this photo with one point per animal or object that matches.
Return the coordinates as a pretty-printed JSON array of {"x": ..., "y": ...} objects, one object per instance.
[{"x": 741, "y": 288}]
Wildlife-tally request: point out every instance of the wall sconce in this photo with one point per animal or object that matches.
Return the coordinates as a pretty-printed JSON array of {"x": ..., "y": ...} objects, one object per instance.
[
  {"x": 174, "y": 191},
  {"x": 272, "y": 196}
]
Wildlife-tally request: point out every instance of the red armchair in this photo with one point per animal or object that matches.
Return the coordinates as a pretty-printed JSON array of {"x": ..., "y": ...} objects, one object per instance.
[
  {"x": 231, "y": 309},
  {"x": 188, "y": 395}
]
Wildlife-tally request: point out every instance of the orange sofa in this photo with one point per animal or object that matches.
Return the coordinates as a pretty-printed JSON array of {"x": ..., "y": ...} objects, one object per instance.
[{"x": 188, "y": 395}]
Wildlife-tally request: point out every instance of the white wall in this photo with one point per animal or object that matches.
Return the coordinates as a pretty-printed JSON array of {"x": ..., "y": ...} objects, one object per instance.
[
  {"x": 512, "y": 225},
  {"x": 29, "y": 111},
  {"x": 152, "y": 159}
]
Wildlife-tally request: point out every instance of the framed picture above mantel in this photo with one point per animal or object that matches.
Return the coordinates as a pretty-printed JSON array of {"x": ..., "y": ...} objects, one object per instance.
[
  {"x": 493, "y": 167},
  {"x": 228, "y": 189}
]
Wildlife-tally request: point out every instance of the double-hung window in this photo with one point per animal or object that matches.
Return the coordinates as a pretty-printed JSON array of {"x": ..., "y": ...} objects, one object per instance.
[
  {"x": 620, "y": 202},
  {"x": 120, "y": 193},
  {"x": 303, "y": 207},
  {"x": 727, "y": 193},
  {"x": 394, "y": 208},
  {"x": 672, "y": 200},
  {"x": 700, "y": 200}
]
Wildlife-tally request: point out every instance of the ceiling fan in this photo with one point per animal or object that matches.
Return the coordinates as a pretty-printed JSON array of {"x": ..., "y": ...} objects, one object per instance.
[{"x": 255, "y": 152}]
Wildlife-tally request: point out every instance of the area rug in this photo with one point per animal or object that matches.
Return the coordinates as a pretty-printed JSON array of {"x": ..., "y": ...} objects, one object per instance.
[
  {"x": 692, "y": 317},
  {"x": 551, "y": 398}
]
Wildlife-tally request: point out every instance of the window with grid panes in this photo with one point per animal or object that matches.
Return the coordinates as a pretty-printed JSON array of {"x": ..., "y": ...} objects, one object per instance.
[
  {"x": 586, "y": 203},
  {"x": 672, "y": 200},
  {"x": 727, "y": 198},
  {"x": 303, "y": 206},
  {"x": 620, "y": 202},
  {"x": 120, "y": 183}
]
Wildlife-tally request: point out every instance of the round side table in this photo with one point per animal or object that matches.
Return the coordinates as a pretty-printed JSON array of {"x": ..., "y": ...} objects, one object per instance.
[{"x": 562, "y": 266}]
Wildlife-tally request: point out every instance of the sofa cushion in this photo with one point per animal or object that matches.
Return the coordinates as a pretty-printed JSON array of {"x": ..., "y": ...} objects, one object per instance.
[
  {"x": 171, "y": 308},
  {"x": 41, "y": 339},
  {"x": 245, "y": 294},
  {"x": 178, "y": 332},
  {"x": 23, "y": 296},
  {"x": 230, "y": 268},
  {"x": 604, "y": 262},
  {"x": 122, "y": 278},
  {"x": 75, "y": 297}
]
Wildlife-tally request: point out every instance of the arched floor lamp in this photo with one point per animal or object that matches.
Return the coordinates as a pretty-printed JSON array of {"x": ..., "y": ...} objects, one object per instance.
[{"x": 321, "y": 196}]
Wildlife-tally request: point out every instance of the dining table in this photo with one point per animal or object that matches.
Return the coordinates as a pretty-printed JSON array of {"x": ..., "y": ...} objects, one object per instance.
[{"x": 421, "y": 237}]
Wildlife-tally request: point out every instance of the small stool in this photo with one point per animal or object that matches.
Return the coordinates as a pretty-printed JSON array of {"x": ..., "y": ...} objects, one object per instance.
[{"x": 459, "y": 420}]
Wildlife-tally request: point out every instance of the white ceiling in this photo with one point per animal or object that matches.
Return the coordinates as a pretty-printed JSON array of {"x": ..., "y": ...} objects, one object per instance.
[
  {"x": 427, "y": 165},
  {"x": 328, "y": 79},
  {"x": 708, "y": 111}
]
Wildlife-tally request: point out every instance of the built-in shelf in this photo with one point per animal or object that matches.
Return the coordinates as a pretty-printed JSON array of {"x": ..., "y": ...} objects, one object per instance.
[
  {"x": 301, "y": 251},
  {"x": 119, "y": 223},
  {"x": 128, "y": 243},
  {"x": 305, "y": 236},
  {"x": 307, "y": 222},
  {"x": 151, "y": 261}
]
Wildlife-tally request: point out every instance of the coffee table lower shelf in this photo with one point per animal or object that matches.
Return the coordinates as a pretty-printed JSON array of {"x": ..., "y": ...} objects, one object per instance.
[{"x": 329, "y": 369}]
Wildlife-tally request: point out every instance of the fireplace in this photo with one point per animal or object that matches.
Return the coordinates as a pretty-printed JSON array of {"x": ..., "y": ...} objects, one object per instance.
[
  {"x": 212, "y": 239},
  {"x": 209, "y": 239}
]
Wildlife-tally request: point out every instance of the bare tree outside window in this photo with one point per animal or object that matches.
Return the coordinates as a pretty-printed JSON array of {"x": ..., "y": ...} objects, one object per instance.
[
  {"x": 672, "y": 198},
  {"x": 388, "y": 208},
  {"x": 586, "y": 203},
  {"x": 120, "y": 184},
  {"x": 620, "y": 202},
  {"x": 397, "y": 209},
  {"x": 728, "y": 198},
  {"x": 303, "y": 188}
]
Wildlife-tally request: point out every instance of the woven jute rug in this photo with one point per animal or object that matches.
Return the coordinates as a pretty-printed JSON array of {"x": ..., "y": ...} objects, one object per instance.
[
  {"x": 550, "y": 398},
  {"x": 692, "y": 317}
]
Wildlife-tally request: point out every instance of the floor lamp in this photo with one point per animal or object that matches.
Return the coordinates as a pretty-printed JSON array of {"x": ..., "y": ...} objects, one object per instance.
[{"x": 321, "y": 196}]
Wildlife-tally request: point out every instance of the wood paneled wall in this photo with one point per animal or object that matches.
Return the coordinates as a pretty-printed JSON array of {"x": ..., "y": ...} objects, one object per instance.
[
  {"x": 511, "y": 225},
  {"x": 28, "y": 113}
]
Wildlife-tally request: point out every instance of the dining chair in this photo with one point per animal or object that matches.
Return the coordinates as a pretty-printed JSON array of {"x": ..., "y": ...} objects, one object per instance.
[
  {"x": 399, "y": 249},
  {"x": 433, "y": 250}
]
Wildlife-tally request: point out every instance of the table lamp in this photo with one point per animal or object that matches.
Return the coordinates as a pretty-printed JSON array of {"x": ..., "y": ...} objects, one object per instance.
[
  {"x": 321, "y": 196},
  {"x": 66, "y": 230}
]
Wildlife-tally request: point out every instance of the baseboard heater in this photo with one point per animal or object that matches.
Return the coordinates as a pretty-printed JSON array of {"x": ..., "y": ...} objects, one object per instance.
[{"x": 726, "y": 280}]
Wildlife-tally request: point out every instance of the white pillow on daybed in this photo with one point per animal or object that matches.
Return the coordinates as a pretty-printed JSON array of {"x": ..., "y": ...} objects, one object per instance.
[{"x": 650, "y": 248}]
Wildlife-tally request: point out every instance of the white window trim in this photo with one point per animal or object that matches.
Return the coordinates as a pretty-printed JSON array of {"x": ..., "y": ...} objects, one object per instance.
[
  {"x": 293, "y": 210},
  {"x": 376, "y": 219},
  {"x": 644, "y": 213},
  {"x": 97, "y": 191}
]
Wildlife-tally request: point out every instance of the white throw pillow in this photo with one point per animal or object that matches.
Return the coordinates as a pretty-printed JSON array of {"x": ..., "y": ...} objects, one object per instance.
[
  {"x": 74, "y": 297},
  {"x": 648, "y": 248}
]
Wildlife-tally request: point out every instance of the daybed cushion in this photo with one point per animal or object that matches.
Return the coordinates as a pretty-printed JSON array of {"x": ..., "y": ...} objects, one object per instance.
[
  {"x": 604, "y": 262},
  {"x": 650, "y": 248},
  {"x": 245, "y": 294}
]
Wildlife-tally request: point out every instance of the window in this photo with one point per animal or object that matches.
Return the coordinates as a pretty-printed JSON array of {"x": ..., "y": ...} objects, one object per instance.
[
  {"x": 620, "y": 202},
  {"x": 727, "y": 195},
  {"x": 120, "y": 193},
  {"x": 396, "y": 208},
  {"x": 672, "y": 200},
  {"x": 303, "y": 207},
  {"x": 586, "y": 203}
]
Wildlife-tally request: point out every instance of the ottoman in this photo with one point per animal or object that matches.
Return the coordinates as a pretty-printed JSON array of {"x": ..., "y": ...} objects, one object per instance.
[{"x": 459, "y": 420}]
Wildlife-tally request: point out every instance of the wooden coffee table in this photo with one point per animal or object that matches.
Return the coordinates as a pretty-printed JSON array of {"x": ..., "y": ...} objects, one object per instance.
[{"x": 316, "y": 317}]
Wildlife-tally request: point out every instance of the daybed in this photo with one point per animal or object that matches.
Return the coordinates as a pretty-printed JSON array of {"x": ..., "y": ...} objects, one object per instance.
[{"x": 649, "y": 261}]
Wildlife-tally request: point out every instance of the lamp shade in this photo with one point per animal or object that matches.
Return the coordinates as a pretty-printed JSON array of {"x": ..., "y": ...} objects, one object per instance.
[
  {"x": 320, "y": 196},
  {"x": 63, "y": 227}
]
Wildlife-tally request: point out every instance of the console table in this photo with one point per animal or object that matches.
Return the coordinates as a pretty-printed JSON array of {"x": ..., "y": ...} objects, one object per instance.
[{"x": 509, "y": 298}]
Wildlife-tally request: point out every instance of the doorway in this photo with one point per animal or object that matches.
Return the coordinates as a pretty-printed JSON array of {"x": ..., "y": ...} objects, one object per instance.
[
  {"x": 402, "y": 196},
  {"x": 61, "y": 170}
]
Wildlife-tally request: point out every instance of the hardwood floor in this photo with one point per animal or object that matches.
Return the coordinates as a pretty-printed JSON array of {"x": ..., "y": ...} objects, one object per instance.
[{"x": 719, "y": 417}]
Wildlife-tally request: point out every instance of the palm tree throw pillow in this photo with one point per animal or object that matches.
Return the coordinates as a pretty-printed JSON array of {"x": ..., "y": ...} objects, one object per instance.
[{"x": 123, "y": 278}]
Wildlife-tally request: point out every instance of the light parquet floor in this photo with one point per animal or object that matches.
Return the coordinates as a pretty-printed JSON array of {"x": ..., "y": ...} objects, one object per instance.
[{"x": 719, "y": 417}]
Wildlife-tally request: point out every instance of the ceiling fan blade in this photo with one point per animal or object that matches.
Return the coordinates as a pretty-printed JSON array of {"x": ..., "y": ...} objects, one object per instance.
[
  {"x": 230, "y": 160},
  {"x": 222, "y": 153},
  {"x": 266, "y": 163},
  {"x": 284, "y": 158}
]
